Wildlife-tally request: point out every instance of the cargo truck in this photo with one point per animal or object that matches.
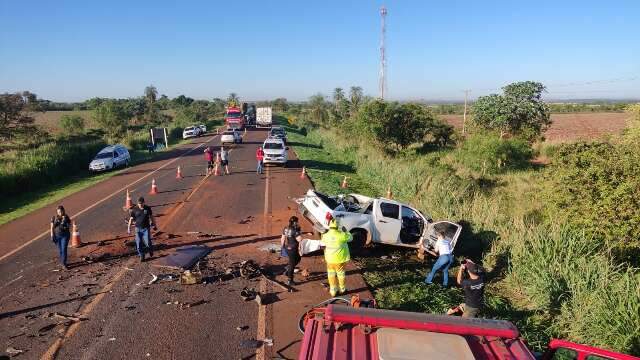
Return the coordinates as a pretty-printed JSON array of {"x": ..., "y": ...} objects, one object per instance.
[
  {"x": 264, "y": 118},
  {"x": 233, "y": 118}
]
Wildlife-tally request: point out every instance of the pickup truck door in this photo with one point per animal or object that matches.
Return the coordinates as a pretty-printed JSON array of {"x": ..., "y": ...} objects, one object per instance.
[
  {"x": 387, "y": 221},
  {"x": 451, "y": 232}
]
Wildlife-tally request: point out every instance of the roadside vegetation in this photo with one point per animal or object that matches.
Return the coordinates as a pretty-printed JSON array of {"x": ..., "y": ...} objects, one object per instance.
[
  {"x": 559, "y": 241},
  {"x": 41, "y": 163}
]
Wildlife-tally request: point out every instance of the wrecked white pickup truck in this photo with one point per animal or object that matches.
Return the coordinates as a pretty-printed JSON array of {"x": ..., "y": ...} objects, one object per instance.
[{"x": 376, "y": 220}]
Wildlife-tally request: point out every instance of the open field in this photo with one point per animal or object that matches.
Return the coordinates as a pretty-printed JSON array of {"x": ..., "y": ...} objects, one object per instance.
[
  {"x": 573, "y": 126},
  {"x": 49, "y": 120}
]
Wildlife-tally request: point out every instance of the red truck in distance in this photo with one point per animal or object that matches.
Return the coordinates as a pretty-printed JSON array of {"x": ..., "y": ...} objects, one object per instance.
[{"x": 233, "y": 118}]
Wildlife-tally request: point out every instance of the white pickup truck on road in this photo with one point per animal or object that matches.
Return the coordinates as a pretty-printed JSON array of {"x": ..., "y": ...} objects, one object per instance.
[{"x": 376, "y": 220}]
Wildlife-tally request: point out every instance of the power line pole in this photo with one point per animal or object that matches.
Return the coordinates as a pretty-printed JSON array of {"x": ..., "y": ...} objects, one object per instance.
[
  {"x": 464, "y": 114},
  {"x": 383, "y": 60}
]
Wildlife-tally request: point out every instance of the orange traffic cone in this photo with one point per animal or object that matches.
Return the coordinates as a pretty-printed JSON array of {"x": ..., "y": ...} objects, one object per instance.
[
  {"x": 344, "y": 184},
  {"x": 75, "y": 237},
  {"x": 303, "y": 173},
  {"x": 178, "y": 173},
  {"x": 154, "y": 187},
  {"x": 389, "y": 193},
  {"x": 128, "y": 204}
]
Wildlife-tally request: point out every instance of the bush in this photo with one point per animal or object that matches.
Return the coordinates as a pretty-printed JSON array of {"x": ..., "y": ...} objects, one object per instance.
[
  {"x": 595, "y": 187},
  {"x": 487, "y": 154},
  {"x": 72, "y": 124},
  {"x": 137, "y": 140},
  {"x": 35, "y": 168}
]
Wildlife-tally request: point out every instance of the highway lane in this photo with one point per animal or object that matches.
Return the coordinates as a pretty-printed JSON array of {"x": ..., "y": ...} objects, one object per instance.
[
  {"x": 30, "y": 280},
  {"x": 235, "y": 215}
]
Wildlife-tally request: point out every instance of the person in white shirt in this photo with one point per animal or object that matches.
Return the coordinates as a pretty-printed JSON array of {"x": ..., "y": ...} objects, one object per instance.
[{"x": 445, "y": 259}]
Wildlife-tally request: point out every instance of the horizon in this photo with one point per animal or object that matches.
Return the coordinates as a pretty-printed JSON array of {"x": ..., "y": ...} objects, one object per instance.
[{"x": 74, "y": 51}]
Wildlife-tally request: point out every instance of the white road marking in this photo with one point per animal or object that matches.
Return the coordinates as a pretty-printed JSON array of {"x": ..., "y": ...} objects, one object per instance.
[
  {"x": 107, "y": 198},
  {"x": 261, "y": 352}
]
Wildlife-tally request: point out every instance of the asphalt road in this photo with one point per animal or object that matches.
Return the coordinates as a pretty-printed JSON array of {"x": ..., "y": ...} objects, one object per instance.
[{"x": 122, "y": 316}]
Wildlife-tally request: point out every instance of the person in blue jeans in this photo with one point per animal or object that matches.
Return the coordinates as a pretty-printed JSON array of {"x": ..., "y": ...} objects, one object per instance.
[
  {"x": 60, "y": 233},
  {"x": 445, "y": 259},
  {"x": 142, "y": 216}
]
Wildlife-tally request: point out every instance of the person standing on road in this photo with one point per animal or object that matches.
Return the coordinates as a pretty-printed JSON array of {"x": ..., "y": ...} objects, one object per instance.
[
  {"x": 143, "y": 218},
  {"x": 473, "y": 288},
  {"x": 224, "y": 157},
  {"x": 289, "y": 241},
  {"x": 260, "y": 159},
  {"x": 445, "y": 259},
  {"x": 336, "y": 255},
  {"x": 60, "y": 233},
  {"x": 208, "y": 155}
]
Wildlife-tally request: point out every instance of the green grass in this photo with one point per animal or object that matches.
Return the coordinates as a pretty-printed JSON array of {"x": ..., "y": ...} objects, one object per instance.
[
  {"x": 549, "y": 282},
  {"x": 26, "y": 202},
  {"x": 13, "y": 207}
]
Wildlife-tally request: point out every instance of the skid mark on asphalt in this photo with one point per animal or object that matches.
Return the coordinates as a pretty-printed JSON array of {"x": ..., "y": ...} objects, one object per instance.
[{"x": 124, "y": 188}]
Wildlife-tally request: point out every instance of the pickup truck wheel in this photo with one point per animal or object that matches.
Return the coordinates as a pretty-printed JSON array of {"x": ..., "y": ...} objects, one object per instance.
[{"x": 359, "y": 240}]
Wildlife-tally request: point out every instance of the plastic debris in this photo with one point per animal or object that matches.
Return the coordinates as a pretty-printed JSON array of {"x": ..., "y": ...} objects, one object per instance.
[
  {"x": 248, "y": 294},
  {"x": 13, "y": 351}
]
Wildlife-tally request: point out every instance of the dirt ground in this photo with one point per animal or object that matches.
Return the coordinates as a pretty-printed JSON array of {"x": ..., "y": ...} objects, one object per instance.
[{"x": 574, "y": 126}]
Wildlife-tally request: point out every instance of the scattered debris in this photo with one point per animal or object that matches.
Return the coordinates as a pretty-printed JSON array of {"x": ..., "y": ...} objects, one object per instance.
[
  {"x": 248, "y": 294},
  {"x": 190, "y": 278},
  {"x": 30, "y": 316},
  {"x": 128, "y": 268},
  {"x": 272, "y": 248},
  {"x": 129, "y": 307},
  {"x": 100, "y": 243},
  {"x": 13, "y": 351},
  {"x": 67, "y": 317},
  {"x": 112, "y": 339},
  {"x": 242, "y": 328},
  {"x": 268, "y": 342},
  {"x": 249, "y": 269},
  {"x": 305, "y": 273},
  {"x": 258, "y": 299},
  {"x": 193, "y": 232},
  {"x": 153, "y": 279},
  {"x": 384, "y": 257},
  {"x": 184, "y": 257},
  {"x": 206, "y": 235},
  {"x": 251, "y": 344},
  {"x": 45, "y": 329},
  {"x": 190, "y": 305},
  {"x": 246, "y": 220}
]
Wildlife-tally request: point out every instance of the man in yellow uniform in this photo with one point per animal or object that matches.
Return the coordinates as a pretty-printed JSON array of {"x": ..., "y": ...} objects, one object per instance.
[{"x": 336, "y": 254}]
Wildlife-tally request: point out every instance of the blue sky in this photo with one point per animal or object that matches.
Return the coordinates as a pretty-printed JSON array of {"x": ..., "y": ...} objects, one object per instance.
[{"x": 74, "y": 50}]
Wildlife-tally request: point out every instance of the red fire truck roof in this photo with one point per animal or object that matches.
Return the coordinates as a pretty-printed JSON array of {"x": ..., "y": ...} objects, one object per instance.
[{"x": 361, "y": 333}]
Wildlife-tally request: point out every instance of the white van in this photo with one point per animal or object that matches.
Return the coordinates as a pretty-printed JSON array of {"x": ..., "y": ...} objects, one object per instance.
[{"x": 111, "y": 157}]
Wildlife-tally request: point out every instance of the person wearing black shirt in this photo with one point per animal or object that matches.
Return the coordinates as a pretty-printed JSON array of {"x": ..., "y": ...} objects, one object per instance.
[
  {"x": 60, "y": 233},
  {"x": 289, "y": 240},
  {"x": 473, "y": 287},
  {"x": 142, "y": 216}
]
